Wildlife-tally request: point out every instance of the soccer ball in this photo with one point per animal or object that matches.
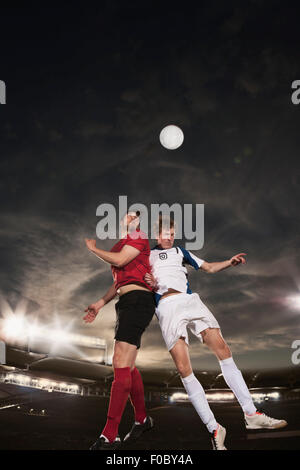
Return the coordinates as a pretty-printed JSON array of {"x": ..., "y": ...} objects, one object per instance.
[{"x": 171, "y": 137}]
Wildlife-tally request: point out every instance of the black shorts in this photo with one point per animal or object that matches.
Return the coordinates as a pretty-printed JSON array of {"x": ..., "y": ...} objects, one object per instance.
[{"x": 134, "y": 310}]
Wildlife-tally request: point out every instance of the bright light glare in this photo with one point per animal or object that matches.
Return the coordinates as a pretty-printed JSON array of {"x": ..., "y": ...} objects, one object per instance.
[
  {"x": 294, "y": 301},
  {"x": 13, "y": 327},
  {"x": 33, "y": 331},
  {"x": 44, "y": 383},
  {"x": 259, "y": 396},
  {"x": 57, "y": 336},
  {"x": 225, "y": 396},
  {"x": 220, "y": 396},
  {"x": 40, "y": 383},
  {"x": 178, "y": 396}
]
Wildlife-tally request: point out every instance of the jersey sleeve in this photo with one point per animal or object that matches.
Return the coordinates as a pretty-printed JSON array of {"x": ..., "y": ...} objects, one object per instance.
[
  {"x": 191, "y": 259},
  {"x": 139, "y": 243}
]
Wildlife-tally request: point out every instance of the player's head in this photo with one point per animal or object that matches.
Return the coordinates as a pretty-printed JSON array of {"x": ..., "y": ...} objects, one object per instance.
[
  {"x": 165, "y": 232},
  {"x": 131, "y": 221}
]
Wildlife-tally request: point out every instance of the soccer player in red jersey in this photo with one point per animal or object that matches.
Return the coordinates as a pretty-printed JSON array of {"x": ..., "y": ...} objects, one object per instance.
[{"x": 129, "y": 259}]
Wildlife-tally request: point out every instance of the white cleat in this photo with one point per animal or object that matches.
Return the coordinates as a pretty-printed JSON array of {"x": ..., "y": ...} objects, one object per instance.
[
  {"x": 262, "y": 421},
  {"x": 218, "y": 438}
]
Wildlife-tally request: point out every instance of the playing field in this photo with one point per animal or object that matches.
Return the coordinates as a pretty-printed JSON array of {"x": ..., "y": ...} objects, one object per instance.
[{"x": 73, "y": 422}]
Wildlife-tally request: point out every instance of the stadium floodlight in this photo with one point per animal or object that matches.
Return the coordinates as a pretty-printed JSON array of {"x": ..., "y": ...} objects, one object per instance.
[
  {"x": 225, "y": 396},
  {"x": 179, "y": 397},
  {"x": 13, "y": 327},
  {"x": 273, "y": 395},
  {"x": 261, "y": 396},
  {"x": 18, "y": 328},
  {"x": 40, "y": 383},
  {"x": 44, "y": 383},
  {"x": 211, "y": 396},
  {"x": 220, "y": 396}
]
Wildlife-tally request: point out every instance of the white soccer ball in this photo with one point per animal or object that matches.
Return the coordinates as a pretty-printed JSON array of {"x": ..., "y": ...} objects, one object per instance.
[{"x": 171, "y": 137}]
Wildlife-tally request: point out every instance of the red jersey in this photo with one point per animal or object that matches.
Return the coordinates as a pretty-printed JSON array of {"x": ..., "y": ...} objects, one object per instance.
[{"x": 135, "y": 270}]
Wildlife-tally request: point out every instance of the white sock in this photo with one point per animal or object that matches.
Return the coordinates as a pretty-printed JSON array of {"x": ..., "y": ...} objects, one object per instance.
[
  {"x": 197, "y": 397},
  {"x": 234, "y": 379}
]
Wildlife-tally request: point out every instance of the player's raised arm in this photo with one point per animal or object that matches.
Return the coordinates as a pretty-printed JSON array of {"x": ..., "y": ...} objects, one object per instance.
[
  {"x": 220, "y": 265},
  {"x": 119, "y": 259},
  {"x": 93, "y": 309}
]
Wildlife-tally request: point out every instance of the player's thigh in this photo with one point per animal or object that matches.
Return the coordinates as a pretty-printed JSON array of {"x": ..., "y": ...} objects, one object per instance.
[
  {"x": 213, "y": 338},
  {"x": 181, "y": 357},
  {"x": 124, "y": 354}
]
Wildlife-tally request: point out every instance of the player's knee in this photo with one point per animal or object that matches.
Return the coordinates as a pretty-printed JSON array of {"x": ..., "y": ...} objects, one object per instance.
[
  {"x": 184, "y": 369},
  {"x": 226, "y": 349},
  {"x": 223, "y": 351}
]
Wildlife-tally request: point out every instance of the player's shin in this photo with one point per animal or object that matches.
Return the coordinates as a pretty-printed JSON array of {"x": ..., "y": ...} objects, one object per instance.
[
  {"x": 234, "y": 379},
  {"x": 198, "y": 399},
  {"x": 137, "y": 396},
  {"x": 118, "y": 397}
]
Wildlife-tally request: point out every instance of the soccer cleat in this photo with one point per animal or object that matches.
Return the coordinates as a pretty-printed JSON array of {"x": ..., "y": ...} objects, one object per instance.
[
  {"x": 261, "y": 421},
  {"x": 103, "y": 444},
  {"x": 218, "y": 438},
  {"x": 138, "y": 429}
]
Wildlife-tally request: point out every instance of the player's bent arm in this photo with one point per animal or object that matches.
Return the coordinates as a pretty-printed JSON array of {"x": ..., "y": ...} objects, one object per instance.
[
  {"x": 212, "y": 268},
  {"x": 220, "y": 265},
  {"x": 93, "y": 309},
  {"x": 127, "y": 254},
  {"x": 110, "y": 294},
  {"x": 120, "y": 259}
]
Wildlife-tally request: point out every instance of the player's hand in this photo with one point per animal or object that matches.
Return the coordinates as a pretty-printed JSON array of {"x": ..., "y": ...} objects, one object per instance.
[
  {"x": 150, "y": 279},
  {"x": 238, "y": 259},
  {"x": 92, "y": 311},
  {"x": 90, "y": 243}
]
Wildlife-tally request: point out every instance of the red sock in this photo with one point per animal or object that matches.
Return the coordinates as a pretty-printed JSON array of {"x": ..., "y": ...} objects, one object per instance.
[
  {"x": 119, "y": 392},
  {"x": 137, "y": 396}
]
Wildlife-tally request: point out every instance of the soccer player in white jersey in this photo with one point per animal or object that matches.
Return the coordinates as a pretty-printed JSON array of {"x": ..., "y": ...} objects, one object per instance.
[{"x": 178, "y": 309}]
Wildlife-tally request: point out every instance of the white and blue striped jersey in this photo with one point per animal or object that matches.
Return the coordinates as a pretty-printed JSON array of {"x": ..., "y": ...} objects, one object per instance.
[{"x": 168, "y": 268}]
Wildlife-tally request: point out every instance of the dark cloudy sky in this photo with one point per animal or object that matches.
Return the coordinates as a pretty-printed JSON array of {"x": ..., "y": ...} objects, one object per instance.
[{"x": 88, "y": 91}]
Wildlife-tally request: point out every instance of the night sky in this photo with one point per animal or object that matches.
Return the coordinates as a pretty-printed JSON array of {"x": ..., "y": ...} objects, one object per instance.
[{"x": 88, "y": 91}]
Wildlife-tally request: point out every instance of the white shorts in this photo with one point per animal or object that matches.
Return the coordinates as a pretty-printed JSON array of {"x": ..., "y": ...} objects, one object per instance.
[{"x": 178, "y": 312}]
